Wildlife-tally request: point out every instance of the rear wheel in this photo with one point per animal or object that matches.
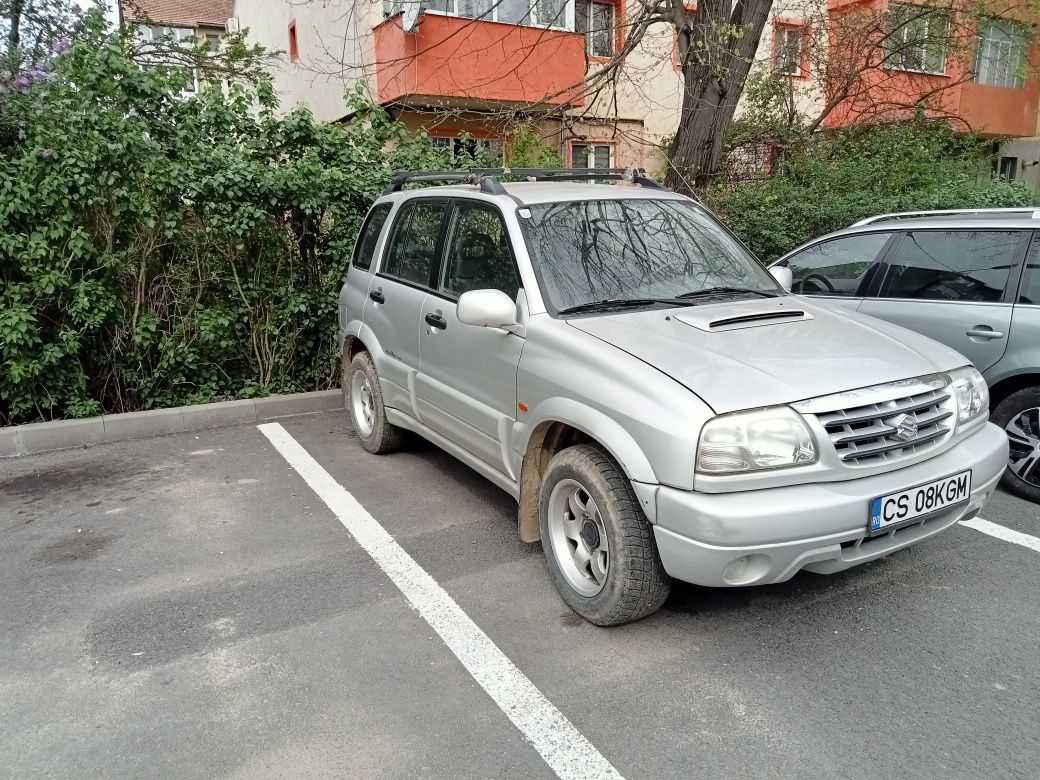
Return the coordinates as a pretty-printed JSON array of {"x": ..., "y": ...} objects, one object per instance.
[
  {"x": 364, "y": 402},
  {"x": 598, "y": 545},
  {"x": 1019, "y": 416}
]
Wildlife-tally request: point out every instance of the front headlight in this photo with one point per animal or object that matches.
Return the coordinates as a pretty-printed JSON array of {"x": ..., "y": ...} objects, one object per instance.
[
  {"x": 971, "y": 392},
  {"x": 773, "y": 438}
]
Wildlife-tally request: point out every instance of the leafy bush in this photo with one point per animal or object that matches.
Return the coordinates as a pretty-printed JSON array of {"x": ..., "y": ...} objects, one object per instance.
[
  {"x": 845, "y": 176},
  {"x": 157, "y": 250}
]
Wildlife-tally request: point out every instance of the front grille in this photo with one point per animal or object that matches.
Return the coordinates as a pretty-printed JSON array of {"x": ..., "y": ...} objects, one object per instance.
[{"x": 869, "y": 434}]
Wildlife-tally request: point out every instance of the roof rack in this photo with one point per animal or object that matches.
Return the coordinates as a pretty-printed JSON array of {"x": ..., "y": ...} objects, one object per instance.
[
  {"x": 1031, "y": 211},
  {"x": 486, "y": 178}
]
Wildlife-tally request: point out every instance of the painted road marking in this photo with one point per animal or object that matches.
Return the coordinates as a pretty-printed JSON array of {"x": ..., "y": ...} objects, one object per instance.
[
  {"x": 567, "y": 752},
  {"x": 1006, "y": 534}
]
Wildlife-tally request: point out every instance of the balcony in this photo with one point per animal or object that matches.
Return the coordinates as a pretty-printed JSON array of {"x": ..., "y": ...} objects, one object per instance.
[
  {"x": 1000, "y": 110},
  {"x": 476, "y": 63}
]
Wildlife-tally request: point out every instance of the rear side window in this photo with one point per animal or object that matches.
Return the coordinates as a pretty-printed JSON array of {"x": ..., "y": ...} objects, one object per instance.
[
  {"x": 413, "y": 245},
  {"x": 1030, "y": 291},
  {"x": 835, "y": 267},
  {"x": 951, "y": 265},
  {"x": 365, "y": 247}
]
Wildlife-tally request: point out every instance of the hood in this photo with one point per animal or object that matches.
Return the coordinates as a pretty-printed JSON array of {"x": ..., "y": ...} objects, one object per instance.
[{"x": 746, "y": 354}]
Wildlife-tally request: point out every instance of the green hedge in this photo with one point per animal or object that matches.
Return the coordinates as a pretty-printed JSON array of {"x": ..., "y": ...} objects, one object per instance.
[
  {"x": 156, "y": 250},
  {"x": 846, "y": 176}
]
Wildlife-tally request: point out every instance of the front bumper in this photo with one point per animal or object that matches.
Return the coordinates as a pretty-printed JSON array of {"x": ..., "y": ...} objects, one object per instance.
[{"x": 756, "y": 537}]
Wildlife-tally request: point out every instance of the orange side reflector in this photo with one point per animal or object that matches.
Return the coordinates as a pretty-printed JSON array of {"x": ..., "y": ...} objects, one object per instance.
[{"x": 523, "y": 406}]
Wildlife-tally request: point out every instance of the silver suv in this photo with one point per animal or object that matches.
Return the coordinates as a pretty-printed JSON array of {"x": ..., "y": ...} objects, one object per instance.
[
  {"x": 612, "y": 357},
  {"x": 967, "y": 278}
]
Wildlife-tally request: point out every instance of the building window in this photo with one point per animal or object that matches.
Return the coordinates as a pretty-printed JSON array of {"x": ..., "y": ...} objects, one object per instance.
[
  {"x": 917, "y": 39},
  {"x": 539, "y": 13},
  {"x": 459, "y": 148},
  {"x": 1005, "y": 167},
  {"x": 157, "y": 43},
  {"x": 212, "y": 43},
  {"x": 586, "y": 155},
  {"x": 1000, "y": 59},
  {"x": 596, "y": 20},
  {"x": 788, "y": 49},
  {"x": 294, "y": 45}
]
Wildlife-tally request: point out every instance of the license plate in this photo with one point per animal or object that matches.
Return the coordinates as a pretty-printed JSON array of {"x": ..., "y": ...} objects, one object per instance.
[{"x": 913, "y": 503}]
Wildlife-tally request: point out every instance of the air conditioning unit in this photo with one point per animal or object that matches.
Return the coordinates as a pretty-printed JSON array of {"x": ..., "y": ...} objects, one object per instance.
[{"x": 232, "y": 25}]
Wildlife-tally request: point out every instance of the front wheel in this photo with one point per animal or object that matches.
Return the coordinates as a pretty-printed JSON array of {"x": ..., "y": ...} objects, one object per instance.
[
  {"x": 1019, "y": 416},
  {"x": 598, "y": 545}
]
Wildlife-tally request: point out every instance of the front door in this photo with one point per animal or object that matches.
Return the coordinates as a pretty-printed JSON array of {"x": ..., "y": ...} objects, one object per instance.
[
  {"x": 835, "y": 270},
  {"x": 396, "y": 296},
  {"x": 950, "y": 285},
  {"x": 466, "y": 386}
]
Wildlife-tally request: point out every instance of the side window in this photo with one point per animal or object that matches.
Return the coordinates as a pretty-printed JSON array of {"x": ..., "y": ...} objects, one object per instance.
[
  {"x": 1030, "y": 290},
  {"x": 413, "y": 246},
  {"x": 835, "y": 267},
  {"x": 951, "y": 265},
  {"x": 365, "y": 247},
  {"x": 478, "y": 255}
]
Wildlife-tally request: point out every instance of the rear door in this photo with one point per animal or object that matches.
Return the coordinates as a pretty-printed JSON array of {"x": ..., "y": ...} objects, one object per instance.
[
  {"x": 397, "y": 293},
  {"x": 837, "y": 269},
  {"x": 952, "y": 285},
  {"x": 466, "y": 386}
]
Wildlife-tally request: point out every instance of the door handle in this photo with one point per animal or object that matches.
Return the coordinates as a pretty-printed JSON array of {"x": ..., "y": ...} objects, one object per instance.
[
  {"x": 984, "y": 332},
  {"x": 436, "y": 321},
  {"x": 377, "y": 296}
]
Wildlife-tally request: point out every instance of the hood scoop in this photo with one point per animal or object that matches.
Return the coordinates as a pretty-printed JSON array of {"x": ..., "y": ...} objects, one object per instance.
[{"x": 740, "y": 315}]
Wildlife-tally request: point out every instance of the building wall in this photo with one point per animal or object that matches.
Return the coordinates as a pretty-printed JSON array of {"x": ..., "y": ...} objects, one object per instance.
[{"x": 335, "y": 48}]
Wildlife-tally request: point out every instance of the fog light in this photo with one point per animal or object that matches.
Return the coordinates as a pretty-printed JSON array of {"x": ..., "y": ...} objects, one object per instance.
[{"x": 746, "y": 569}]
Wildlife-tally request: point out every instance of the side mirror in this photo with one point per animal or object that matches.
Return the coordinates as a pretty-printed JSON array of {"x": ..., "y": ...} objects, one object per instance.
[
  {"x": 783, "y": 275},
  {"x": 487, "y": 309}
]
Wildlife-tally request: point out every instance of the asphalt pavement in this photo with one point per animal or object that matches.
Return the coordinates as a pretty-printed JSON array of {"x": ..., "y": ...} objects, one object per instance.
[{"x": 187, "y": 606}]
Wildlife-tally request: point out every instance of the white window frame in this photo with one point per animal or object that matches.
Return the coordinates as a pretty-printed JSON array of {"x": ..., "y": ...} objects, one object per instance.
[
  {"x": 900, "y": 33},
  {"x": 781, "y": 44},
  {"x": 589, "y": 29},
  {"x": 394, "y": 6},
  {"x": 145, "y": 33},
  {"x": 452, "y": 139},
  {"x": 590, "y": 153},
  {"x": 1007, "y": 57}
]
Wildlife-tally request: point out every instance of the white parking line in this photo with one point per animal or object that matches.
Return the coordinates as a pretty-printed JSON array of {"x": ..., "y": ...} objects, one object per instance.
[
  {"x": 1006, "y": 534},
  {"x": 567, "y": 752}
]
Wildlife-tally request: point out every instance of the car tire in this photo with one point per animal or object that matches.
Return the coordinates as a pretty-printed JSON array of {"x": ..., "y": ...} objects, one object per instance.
[
  {"x": 1019, "y": 415},
  {"x": 622, "y": 580},
  {"x": 364, "y": 402}
]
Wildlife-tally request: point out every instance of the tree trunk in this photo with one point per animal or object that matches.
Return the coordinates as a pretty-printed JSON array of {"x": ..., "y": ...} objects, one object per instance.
[
  {"x": 14, "y": 31},
  {"x": 715, "y": 65}
]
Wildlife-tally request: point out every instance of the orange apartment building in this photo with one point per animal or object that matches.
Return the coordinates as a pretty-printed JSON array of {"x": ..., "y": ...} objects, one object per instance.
[
  {"x": 474, "y": 68},
  {"x": 981, "y": 73},
  {"x": 468, "y": 69}
]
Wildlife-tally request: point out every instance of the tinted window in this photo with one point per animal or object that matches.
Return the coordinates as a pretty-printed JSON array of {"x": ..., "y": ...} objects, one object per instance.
[
  {"x": 365, "y": 247},
  {"x": 1030, "y": 292},
  {"x": 951, "y": 265},
  {"x": 594, "y": 250},
  {"x": 835, "y": 267},
  {"x": 413, "y": 246},
  {"x": 477, "y": 255}
]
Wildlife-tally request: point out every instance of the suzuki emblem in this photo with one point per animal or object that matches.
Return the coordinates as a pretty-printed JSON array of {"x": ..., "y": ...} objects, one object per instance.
[{"x": 906, "y": 426}]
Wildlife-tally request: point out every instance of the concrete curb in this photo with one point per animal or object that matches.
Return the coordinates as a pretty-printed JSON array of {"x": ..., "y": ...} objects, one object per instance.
[{"x": 64, "y": 434}]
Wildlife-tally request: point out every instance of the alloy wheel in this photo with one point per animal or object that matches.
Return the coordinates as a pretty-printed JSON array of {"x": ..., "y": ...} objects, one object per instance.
[
  {"x": 1024, "y": 440},
  {"x": 578, "y": 537}
]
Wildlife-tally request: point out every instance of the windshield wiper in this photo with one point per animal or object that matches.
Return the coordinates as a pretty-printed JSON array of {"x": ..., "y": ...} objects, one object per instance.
[
  {"x": 621, "y": 303},
  {"x": 729, "y": 290}
]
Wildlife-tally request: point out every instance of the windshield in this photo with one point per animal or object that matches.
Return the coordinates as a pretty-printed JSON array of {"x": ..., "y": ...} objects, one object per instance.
[{"x": 609, "y": 250}]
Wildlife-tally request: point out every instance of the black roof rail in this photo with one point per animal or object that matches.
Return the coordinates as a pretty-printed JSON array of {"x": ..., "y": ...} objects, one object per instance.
[{"x": 486, "y": 179}]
